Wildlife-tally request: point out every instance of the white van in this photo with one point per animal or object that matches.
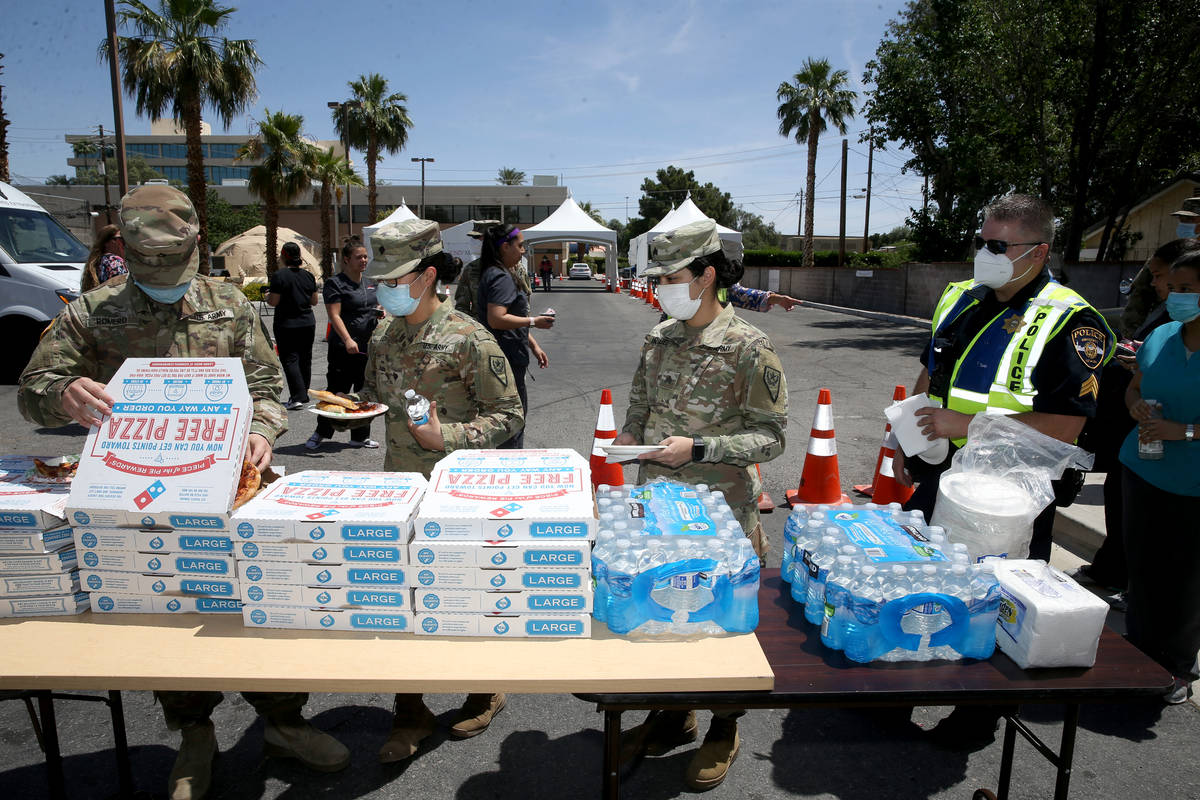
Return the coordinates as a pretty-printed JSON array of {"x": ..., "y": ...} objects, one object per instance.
[{"x": 41, "y": 265}]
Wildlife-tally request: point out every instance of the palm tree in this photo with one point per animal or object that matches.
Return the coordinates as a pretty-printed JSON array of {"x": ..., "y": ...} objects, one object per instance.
[
  {"x": 287, "y": 161},
  {"x": 510, "y": 176},
  {"x": 4, "y": 176},
  {"x": 378, "y": 122},
  {"x": 83, "y": 150},
  {"x": 332, "y": 172},
  {"x": 178, "y": 65},
  {"x": 815, "y": 98}
]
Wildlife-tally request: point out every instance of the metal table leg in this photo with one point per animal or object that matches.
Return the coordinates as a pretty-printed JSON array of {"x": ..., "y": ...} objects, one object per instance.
[
  {"x": 54, "y": 765},
  {"x": 1066, "y": 751},
  {"x": 1006, "y": 757},
  {"x": 120, "y": 745},
  {"x": 610, "y": 786}
]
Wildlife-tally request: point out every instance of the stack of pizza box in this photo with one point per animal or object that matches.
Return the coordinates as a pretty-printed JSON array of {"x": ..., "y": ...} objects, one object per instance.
[
  {"x": 502, "y": 545},
  {"x": 150, "y": 504},
  {"x": 38, "y": 571},
  {"x": 328, "y": 551}
]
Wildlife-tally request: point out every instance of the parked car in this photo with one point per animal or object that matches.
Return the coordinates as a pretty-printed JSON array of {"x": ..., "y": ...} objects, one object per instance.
[
  {"x": 580, "y": 271},
  {"x": 41, "y": 265}
]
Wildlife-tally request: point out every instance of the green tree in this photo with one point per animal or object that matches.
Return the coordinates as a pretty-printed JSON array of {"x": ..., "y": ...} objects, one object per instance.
[
  {"x": 226, "y": 220},
  {"x": 510, "y": 176},
  {"x": 287, "y": 161},
  {"x": 378, "y": 121},
  {"x": 178, "y": 64},
  {"x": 757, "y": 234},
  {"x": 669, "y": 188},
  {"x": 332, "y": 172},
  {"x": 135, "y": 166},
  {"x": 815, "y": 99}
]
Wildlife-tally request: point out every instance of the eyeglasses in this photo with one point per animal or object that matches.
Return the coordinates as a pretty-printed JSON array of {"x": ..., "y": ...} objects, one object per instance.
[
  {"x": 998, "y": 246},
  {"x": 391, "y": 283}
]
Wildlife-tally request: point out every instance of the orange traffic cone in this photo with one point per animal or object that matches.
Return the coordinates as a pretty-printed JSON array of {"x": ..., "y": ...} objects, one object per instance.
[
  {"x": 898, "y": 394},
  {"x": 820, "y": 481},
  {"x": 887, "y": 489},
  {"x": 606, "y": 431},
  {"x": 649, "y": 294},
  {"x": 654, "y": 303},
  {"x": 765, "y": 504}
]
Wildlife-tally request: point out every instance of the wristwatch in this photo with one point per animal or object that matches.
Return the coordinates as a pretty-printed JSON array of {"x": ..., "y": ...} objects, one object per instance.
[
  {"x": 698, "y": 448},
  {"x": 1189, "y": 432}
]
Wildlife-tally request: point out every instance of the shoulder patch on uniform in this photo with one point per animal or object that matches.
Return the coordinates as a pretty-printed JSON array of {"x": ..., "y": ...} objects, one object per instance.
[
  {"x": 1089, "y": 346},
  {"x": 1090, "y": 387},
  {"x": 499, "y": 367},
  {"x": 772, "y": 380}
]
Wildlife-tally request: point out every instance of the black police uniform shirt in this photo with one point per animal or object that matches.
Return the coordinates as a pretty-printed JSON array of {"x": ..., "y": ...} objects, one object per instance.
[
  {"x": 295, "y": 287},
  {"x": 358, "y": 309},
  {"x": 1061, "y": 377},
  {"x": 497, "y": 287}
]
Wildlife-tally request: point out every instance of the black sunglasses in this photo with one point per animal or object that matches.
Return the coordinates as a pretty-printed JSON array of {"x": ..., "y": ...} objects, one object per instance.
[{"x": 998, "y": 246}]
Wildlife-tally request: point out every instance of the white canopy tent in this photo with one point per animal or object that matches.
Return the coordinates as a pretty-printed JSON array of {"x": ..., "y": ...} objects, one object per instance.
[
  {"x": 456, "y": 240},
  {"x": 570, "y": 223},
  {"x": 400, "y": 214},
  {"x": 688, "y": 211}
]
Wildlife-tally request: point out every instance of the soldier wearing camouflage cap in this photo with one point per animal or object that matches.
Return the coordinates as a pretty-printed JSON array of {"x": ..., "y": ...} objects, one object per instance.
[
  {"x": 710, "y": 389},
  {"x": 450, "y": 359},
  {"x": 164, "y": 309}
]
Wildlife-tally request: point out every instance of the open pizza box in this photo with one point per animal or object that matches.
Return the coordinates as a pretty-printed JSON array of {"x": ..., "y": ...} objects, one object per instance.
[{"x": 170, "y": 454}]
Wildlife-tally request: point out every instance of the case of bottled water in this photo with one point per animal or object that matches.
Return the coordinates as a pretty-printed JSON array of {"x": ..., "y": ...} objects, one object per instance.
[
  {"x": 885, "y": 586},
  {"x": 671, "y": 559}
]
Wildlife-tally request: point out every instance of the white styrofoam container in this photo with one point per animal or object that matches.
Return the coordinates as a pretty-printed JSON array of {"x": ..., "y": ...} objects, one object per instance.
[
  {"x": 493, "y": 602},
  {"x": 1046, "y": 618},
  {"x": 104, "y": 603},
  {"x": 25, "y": 542},
  {"x": 174, "y": 585},
  {"x": 511, "y": 626},
  {"x": 170, "y": 454},
  {"x": 283, "y": 572},
  {"x": 325, "y": 506},
  {"x": 324, "y": 553},
  {"x": 56, "y": 605},
  {"x": 502, "y": 495},
  {"x": 28, "y": 505},
  {"x": 484, "y": 578},
  {"x": 160, "y": 563},
  {"x": 332, "y": 619},
  {"x": 39, "y": 563},
  {"x": 268, "y": 594},
  {"x": 501, "y": 554},
  {"x": 60, "y": 583},
  {"x": 138, "y": 541}
]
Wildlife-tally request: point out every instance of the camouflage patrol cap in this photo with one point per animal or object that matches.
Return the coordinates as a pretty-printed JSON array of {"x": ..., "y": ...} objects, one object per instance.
[
  {"x": 480, "y": 226},
  {"x": 1190, "y": 210},
  {"x": 397, "y": 248},
  {"x": 159, "y": 226},
  {"x": 674, "y": 250}
]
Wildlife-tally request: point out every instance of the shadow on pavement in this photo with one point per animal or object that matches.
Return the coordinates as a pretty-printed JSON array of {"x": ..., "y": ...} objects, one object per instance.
[
  {"x": 534, "y": 765},
  {"x": 92, "y": 776}
]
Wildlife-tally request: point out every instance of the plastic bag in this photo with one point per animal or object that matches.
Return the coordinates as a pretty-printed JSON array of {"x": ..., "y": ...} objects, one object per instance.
[{"x": 998, "y": 483}]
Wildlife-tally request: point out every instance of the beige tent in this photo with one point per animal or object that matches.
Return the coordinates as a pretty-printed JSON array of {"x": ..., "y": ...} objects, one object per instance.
[{"x": 246, "y": 254}]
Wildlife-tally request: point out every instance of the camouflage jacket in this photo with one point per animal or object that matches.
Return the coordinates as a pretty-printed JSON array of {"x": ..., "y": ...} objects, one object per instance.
[
  {"x": 449, "y": 359},
  {"x": 723, "y": 383},
  {"x": 468, "y": 287},
  {"x": 96, "y": 332}
]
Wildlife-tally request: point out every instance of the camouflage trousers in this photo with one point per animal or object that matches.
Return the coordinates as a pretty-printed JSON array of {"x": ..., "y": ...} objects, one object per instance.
[{"x": 181, "y": 709}]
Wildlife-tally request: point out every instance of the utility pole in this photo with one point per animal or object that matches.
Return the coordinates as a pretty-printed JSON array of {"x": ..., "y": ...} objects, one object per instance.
[
  {"x": 104, "y": 172},
  {"x": 430, "y": 160},
  {"x": 842, "y": 225},
  {"x": 110, "y": 19},
  {"x": 867, "y": 216}
]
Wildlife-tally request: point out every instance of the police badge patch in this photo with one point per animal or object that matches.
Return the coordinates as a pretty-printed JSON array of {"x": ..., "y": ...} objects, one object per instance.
[
  {"x": 499, "y": 367},
  {"x": 771, "y": 378},
  {"x": 1089, "y": 346}
]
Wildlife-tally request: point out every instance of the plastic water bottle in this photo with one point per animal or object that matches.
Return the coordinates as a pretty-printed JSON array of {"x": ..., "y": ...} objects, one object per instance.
[
  {"x": 818, "y": 572},
  {"x": 860, "y": 616},
  {"x": 983, "y": 604},
  {"x": 896, "y": 584},
  {"x": 957, "y": 583},
  {"x": 927, "y": 618},
  {"x": 417, "y": 406},
  {"x": 1153, "y": 449},
  {"x": 837, "y": 596}
]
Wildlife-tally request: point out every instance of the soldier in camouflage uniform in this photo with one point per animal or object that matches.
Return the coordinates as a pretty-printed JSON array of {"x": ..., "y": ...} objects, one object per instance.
[
  {"x": 468, "y": 281},
  {"x": 450, "y": 359},
  {"x": 709, "y": 388},
  {"x": 163, "y": 309}
]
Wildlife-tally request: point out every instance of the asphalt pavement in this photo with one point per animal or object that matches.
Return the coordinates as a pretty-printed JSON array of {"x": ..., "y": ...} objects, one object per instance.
[{"x": 549, "y": 746}]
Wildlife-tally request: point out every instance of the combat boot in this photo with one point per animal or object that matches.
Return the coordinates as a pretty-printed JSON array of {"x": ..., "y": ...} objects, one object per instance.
[
  {"x": 290, "y": 735},
  {"x": 412, "y": 721},
  {"x": 476, "y": 714},
  {"x": 192, "y": 773},
  {"x": 659, "y": 734},
  {"x": 711, "y": 763}
]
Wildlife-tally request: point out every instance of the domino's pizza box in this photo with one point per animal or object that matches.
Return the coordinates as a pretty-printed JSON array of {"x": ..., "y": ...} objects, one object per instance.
[
  {"x": 170, "y": 454},
  {"x": 105, "y": 603},
  {"x": 171, "y": 585},
  {"x": 60, "y": 583},
  {"x": 501, "y": 495},
  {"x": 160, "y": 563},
  {"x": 508, "y": 626},
  {"x": 55, "y": 605},
  {"x": 485, "y": 578},
  {"x": 137, "y": 541},
  {"x": 39, "y": 563},
  {"x": 297, "y": 574},
  {"x": 34, "y": 542},
  {"x": 29, "y": 504},
  {"x": 474, "y": 601},
  {"x": 15, "y": 463},
  {"x": 324, "y": 553},
  {"x": 332, "y": 619},
  {"x": 322, "y": 506},
  {"x": 501, "y": 554},
  {"x": 268, "y": 594}
]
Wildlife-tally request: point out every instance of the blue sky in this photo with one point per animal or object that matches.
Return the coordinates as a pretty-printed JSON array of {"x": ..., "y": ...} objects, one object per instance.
[{"x": 600, "y": 93}]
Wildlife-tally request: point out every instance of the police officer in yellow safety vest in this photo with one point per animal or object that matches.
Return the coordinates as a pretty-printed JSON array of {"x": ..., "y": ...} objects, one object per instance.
[{"x": 1012, "y": 340}]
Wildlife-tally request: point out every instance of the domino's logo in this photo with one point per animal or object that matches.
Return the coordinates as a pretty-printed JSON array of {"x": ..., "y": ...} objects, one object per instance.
[
  {"x": 250, "y": 550},
  {"x": 327, "y": 621},
  {"x": 173, "y": 605},
  {"x": 156, "y": 543},
  {"x": 320, "y": 554},
  {"x": 148, "y": 521},
  {"x": 432, "y": 530},
  {"x": 88, "y": 540},
  {"x": 258, "y": 616},
  {"x": 429, "y": 625},
  {"x": 158, "y": 587},
  {"x": 498, "y": 580},
  {"x": 324, "y": 576},
  {"x": 431, "y": 601},
  {"x": 245, "y": 530},
  {"x": 91, "y": 559},
  {"x": 255, "y": 593},
  {"x": 425, "y": 577},
  {"x": 503, "y": 603},
  {"x": 500, "y": 558},
  {"x": 254, "y": 572},
  {"x": 154, "y": 564},
  {"x": 500, "y": 628},
  {"x": 106, "y": 603},
  {"x": 316, "y": 534},
  {"x": 425, "y": 555},
  {"x": 82, "y": 518},
  {"x": 505, "y": 531},
  {"x": 94, "y": 582},
  {"x": 324, "y": 597}
]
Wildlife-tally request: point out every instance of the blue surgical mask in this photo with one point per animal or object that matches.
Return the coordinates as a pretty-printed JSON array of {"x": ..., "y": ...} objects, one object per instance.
[
  {"x": 1185, "y": 230},
  {"x": 397, "y": 300},
  {"x": 167, "y": 296},
  {"x": 1183, "y": 306}
]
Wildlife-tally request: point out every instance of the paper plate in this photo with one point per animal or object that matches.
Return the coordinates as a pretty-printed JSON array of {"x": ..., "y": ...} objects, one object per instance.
[
  {"x": 380, "y": 408},
  {"x": 627, "y": 452}
]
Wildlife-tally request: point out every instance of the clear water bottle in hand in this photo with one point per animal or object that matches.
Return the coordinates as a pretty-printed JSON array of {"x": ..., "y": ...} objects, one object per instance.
[
  {"x": 1153, "y": 449},
  {"x": 418, "y": 407}
]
